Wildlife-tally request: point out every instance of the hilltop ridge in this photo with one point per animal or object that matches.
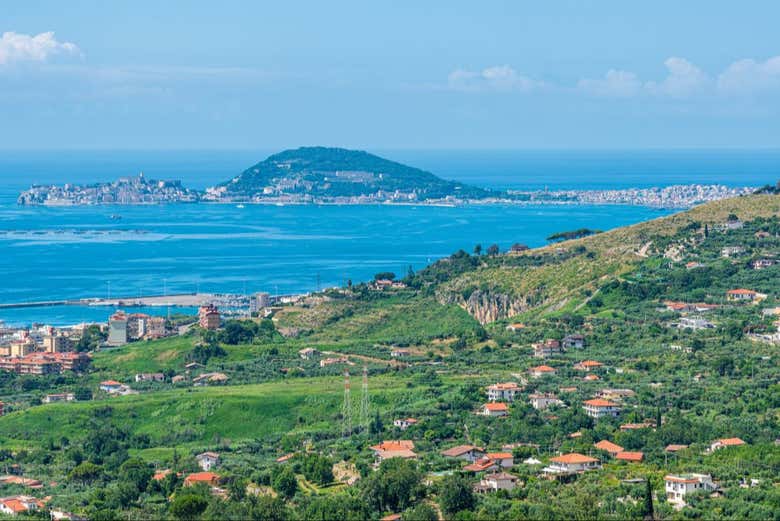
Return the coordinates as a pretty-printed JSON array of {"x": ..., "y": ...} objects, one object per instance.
[{"x": 310, "y": 174}]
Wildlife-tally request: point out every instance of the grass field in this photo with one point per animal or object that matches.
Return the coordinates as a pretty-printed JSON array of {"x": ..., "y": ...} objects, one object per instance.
[{"x": 198, "y": 416}]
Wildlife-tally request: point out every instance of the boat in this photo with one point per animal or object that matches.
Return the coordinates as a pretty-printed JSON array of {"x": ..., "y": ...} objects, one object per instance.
[
  {"x": 115, "y": 217},
  {"x": 240, "y": 206}
]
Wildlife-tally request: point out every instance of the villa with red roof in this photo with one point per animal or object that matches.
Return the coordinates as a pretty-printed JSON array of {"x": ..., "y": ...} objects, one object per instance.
[
  {"x": 612, "y": 449},
  {"x": 481, "y": 465},
  {"x": 469, "y": 453},
  {"x": 209, "y": 478},
  {"x": 600, "y": 408},
  {"x": 394, "y": 449},
  {"x": 742, "y": 295},
  {"x": 541, "y": 370},
  {"x": 495, "y": 409},
  {"x": 571, "y": 463},
  {"x": 633, "y": 457},
  {"x": 588, "y": 365},
  {"x": 16, "y": 505},
  {"x": 725, "y": 442},
  {"x": 503, "y": 392}
]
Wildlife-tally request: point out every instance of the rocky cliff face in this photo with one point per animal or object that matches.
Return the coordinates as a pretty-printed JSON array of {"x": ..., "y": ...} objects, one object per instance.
[{"x": 487, "y": 306}]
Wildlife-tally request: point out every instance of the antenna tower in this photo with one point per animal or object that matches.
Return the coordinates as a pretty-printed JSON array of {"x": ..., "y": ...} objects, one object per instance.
[
  {"x": 364, "y": 419},
  {"x": 346, "y": 409}
]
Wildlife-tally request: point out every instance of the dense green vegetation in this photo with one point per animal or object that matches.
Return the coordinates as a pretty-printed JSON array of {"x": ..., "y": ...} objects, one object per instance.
[
  {"x": 337, "y": 172},
  {"x": 690, "y": 387}
]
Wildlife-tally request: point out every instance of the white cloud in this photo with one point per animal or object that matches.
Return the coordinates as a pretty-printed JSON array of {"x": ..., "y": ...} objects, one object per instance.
[
  {"x": 684, "y": 79},
  {"x": 18, "y": 48},
  {"x": 615, "y": 83},
  {"x": 498, "y": 77},
  {"x": 747, "y": 76}
]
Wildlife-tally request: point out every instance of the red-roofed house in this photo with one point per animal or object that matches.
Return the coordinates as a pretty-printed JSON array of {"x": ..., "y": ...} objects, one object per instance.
[
  {"x": 481, "y": 465},
  {"x": 209, "y": 478},
  {"x": 504, "y": 392},
  {"x": 465, "y": 452},
  {"x": 495, "y": 409},
  {"x": 633, "y": 457},
  {"x": 571, "y": 463},
  {"x": 394, "y": 449},
  {"x": 607, "y": 446},
  {"x": 726, "y": 442},
  {"x": 741, "y": 295},
  {"x": 587, "y": 365},
  {"x": 541, "y": 370},
  {"x": 505, "y": 460},
  {"x": 678, "y": 486},
  {"x": 16, "y": 505},
  {"x": 599, "y": 408},
  {"x": 404, "y": 423}
]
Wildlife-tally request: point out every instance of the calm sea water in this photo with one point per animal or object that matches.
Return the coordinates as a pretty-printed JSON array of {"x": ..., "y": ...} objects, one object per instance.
[{"x": 57, "y": 253}]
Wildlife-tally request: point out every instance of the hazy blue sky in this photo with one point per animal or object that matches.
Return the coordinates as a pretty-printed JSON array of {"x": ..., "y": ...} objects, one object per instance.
[{"x": 393, "y": 74}]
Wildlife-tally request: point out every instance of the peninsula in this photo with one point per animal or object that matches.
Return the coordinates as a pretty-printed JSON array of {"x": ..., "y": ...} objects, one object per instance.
[{"x": 320, "y": 175}]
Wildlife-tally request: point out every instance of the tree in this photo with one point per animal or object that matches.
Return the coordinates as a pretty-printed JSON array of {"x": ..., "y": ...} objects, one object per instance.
[
  {"x": 376, "y": 426},
  {"x": 478, "y": 250},
  {"x": 284, "y": 482},
  {"x": 188, "y": 506},
  {"x": 396, "y": 485},
  {"x": 137, "y": 472},
  {"x": 421, "y": 512},
  {"x": 85, "y": 472},
  {"x": 648, "y": 506},
  {"x": 456, "y": 494},
  {"x": 384, "y": 275},
  {"x": 82, "y": 394},
  {"x": 493, "y": 250}
]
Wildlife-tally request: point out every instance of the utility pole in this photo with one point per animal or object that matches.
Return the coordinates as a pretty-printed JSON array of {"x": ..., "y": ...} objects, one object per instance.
[{"x": 346, "y": 408}]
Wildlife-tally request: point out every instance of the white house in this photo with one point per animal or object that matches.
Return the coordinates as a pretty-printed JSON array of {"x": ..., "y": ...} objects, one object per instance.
[
  {"x": 111, "y": 386},
  {"x": 573, "y": 341},
  {"x": 725, "y": 442},
  {"x": 504, "y": 392},
  {"x": 732, "y": 251},
  {"x": 404, "y": 423},
  {"x": 505, "y": 460},
  {"x": 60, "y": 397},
  {"x": 207, "y": 460},
  {"x": 541, "y": 401},
  {"x": 498, "y": 481},
  {"x": 679, "y": 485},
  {"x": 308, "y": 353},
  {"x": 469, "y": 453},
  {"x": 742, "y": 295},
  {"x": 541, "y": 370},
  {"x": 571, "y": 463},
  {"x": 694, "y": 323},
  {"x": 495, "y": 409},
  {"x": 20, "y": 505},
  {"x": 599, "y": 408},
  {"x": 149, "y": 377}
]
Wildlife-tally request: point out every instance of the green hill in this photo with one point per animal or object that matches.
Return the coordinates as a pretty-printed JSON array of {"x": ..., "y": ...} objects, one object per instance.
[
  {"x": 320, "y": 172},
  {"x": 564, "y": 275}
]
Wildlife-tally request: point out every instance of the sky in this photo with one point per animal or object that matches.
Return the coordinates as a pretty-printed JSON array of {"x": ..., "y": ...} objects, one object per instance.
[{"x": 389, "y": 74}]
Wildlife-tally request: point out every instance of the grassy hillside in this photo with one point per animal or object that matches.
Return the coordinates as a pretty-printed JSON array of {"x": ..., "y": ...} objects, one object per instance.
[
  {"x": 199, "y": 416},
  {"x": 569, "y": 283}
]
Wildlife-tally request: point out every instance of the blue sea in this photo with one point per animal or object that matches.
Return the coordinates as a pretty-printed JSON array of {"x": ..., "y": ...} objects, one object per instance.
[{"x": 60, "y": 253}]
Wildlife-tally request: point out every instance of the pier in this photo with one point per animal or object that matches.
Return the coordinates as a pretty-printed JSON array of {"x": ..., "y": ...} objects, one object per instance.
[{"x": 175, "y": 300}]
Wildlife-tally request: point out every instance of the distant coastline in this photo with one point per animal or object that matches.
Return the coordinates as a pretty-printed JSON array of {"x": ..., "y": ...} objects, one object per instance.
[
  {"x": 106, "y": 194},
  {"x": 336, "y": 176}
]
